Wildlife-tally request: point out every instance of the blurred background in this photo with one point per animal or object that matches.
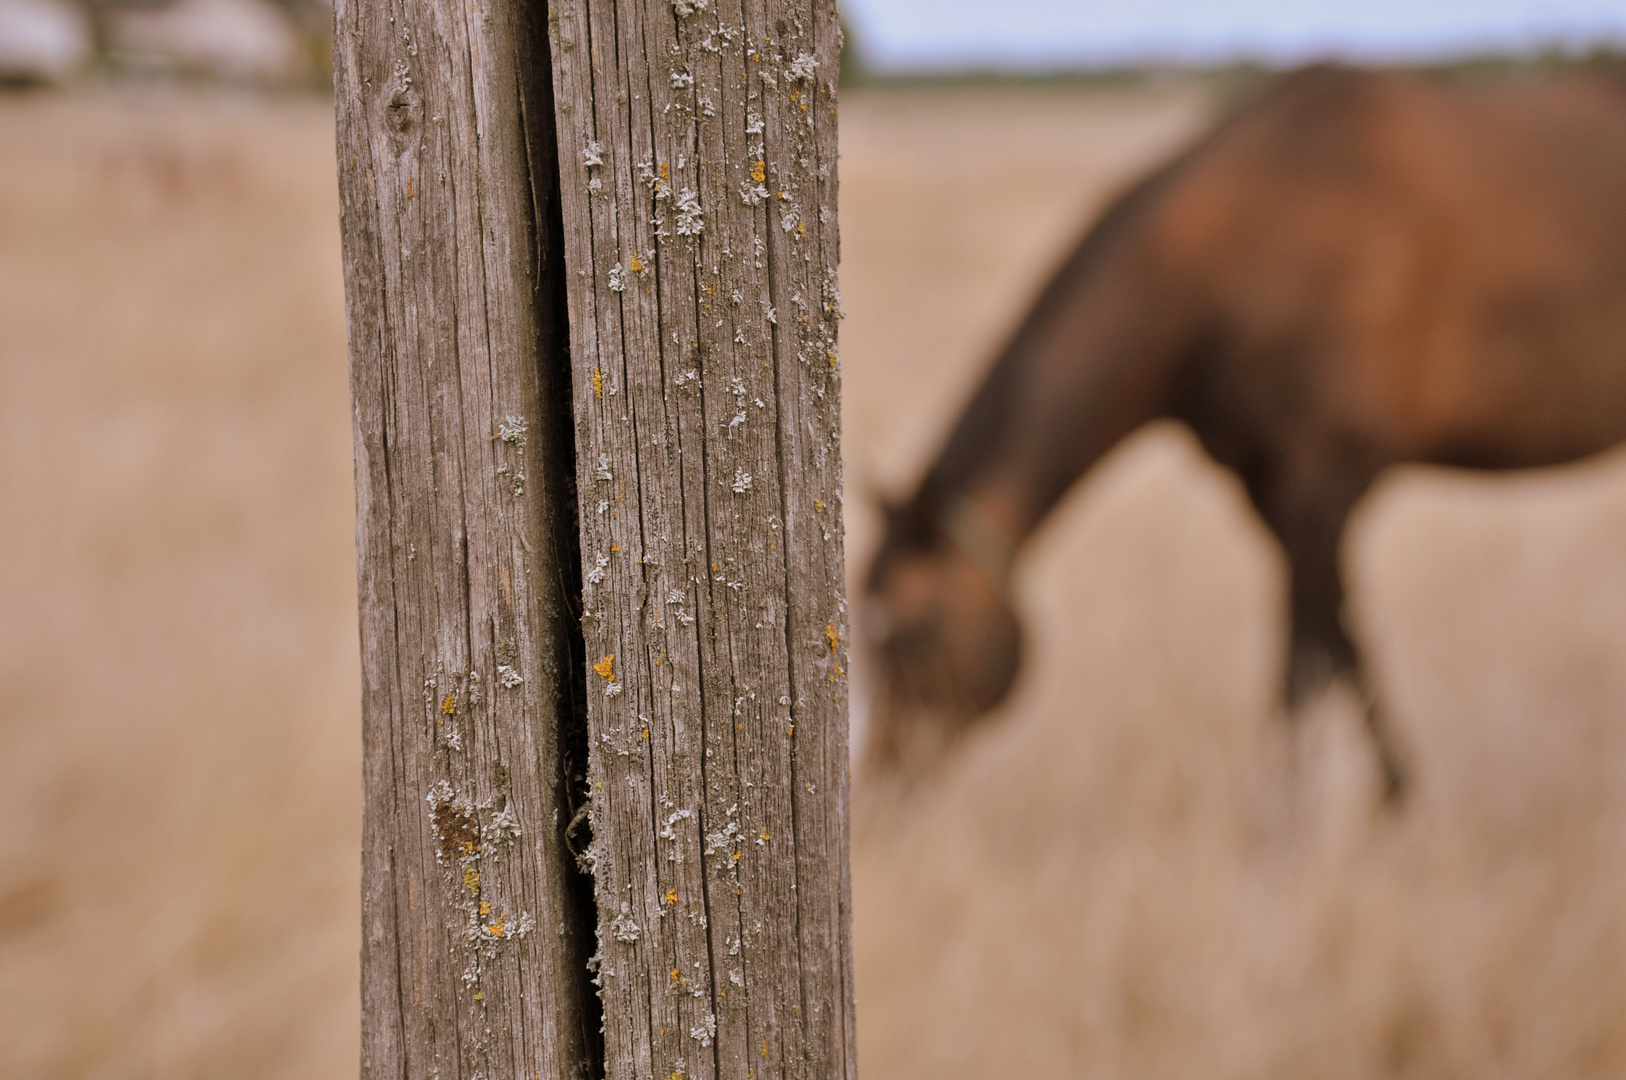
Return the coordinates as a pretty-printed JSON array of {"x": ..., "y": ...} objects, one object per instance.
[{"x": 1139, "y": 869}]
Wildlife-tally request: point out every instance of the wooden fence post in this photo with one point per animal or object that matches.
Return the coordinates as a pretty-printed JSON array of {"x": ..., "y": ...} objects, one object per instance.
[
  {"x": 477, "y": 925},
  {"x": 697, "y": 147},
  {"x": 693, "y": 760}
]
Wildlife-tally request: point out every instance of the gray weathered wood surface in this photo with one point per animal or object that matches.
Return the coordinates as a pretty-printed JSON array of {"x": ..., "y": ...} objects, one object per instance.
[
  {"x": 697, "y": 145},
  {"x": 477, "y": 926}
]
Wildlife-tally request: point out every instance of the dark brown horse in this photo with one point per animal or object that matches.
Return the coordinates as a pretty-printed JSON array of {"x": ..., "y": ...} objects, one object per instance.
[{"x": 1355, "y": 271}]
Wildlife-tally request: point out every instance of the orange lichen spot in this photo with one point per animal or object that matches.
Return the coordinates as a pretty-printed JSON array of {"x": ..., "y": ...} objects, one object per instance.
[
  {"x": 448, "y": 705},
  {"x": 677, "y": 976},
  {"x": 605, "y": 668},
  {"x": 765, "y": 836},
  {"x": 735, "y": 856},
  {"x": 409, "y": 187},
  {"x": 664, "y": 174},
  {"x": 598, "y": 384},
  {"x": 832, "y": 636},
  {"x": 498, "y": 928},
  {"x": 614, "y": 548},
  {"x": 773, "y": 544},
  {"x": 471, "y": 879},
  {"x": 635, "y": 264},
  {"x": 671, "y": 896},
  {"x": 485, "y": 908},
  {"x": 759, "y": 170},
  {"x": 764, "y": 1047},
  {"x": 645, "y": 735}
]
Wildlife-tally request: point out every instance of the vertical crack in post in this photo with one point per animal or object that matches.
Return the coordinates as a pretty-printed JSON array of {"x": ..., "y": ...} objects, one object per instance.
[{"x": 557, "y": 441}]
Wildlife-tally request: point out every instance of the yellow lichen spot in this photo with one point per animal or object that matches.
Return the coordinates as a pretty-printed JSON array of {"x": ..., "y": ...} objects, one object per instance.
[
  {"x": 471, "y": 879},
  {"x": 759, "y": 170},
  {"x": 735, "y": 856},
  {"x": 605, "y": 668},
  {"x": 714, "y": 568},
  {"x": 790, "y": 731},
  {"x": 635, "y": 264},
  {"x": 671, "y": 896},
  {"x": 664, "y": 174},
  {"x": 772, "y": 544},
  {"x": 831, "y": 355},
  {"x": 765, "y": 836},
  {"x": 479, "y": 995},
  {"x": 498, "y": 928},
  {"x": 614, "y": 548},
  {"x": 469, "y": 848},
  {"x": 764, "y": 1047},
  {"x": 645, "y": 735},
  {"x": 832, "y": 635},
  {"x": 485, "y": 908},
  {"x": 598, "y": 384},
  {"x": 818, "y": 505},
  {"x": 448, "y": 705}
]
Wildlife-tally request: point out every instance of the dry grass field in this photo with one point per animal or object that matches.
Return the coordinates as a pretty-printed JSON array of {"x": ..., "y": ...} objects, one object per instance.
[{"x": 1139, "y": 870}]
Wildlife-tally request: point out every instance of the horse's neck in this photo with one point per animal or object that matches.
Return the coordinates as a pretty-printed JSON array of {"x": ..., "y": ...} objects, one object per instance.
[{"x": 1098, "y": 357}]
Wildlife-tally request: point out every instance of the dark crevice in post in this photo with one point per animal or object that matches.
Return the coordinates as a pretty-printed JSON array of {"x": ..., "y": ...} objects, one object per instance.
[{"x": 557, "y": 449}]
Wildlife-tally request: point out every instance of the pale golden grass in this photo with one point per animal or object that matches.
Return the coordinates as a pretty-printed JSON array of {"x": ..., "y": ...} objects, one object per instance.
[{"x": 1138, "y": 870}]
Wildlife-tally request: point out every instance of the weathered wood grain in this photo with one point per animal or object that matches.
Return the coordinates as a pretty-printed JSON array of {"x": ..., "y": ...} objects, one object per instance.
[
  {"x": 477, "y": 925},
  {"x": 697, "y": 145}
]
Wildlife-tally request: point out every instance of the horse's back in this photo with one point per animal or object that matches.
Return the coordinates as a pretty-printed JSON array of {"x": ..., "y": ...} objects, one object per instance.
[{"x": 1441, "y": 271}]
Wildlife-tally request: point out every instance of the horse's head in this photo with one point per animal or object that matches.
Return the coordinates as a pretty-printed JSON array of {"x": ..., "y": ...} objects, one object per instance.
[{"x": 946, "y": 642}]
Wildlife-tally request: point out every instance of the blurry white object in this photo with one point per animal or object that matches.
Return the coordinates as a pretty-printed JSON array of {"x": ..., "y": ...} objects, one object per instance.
[
  {"x": 236, "y": 39},
  {"x": 42, "y": 39}
]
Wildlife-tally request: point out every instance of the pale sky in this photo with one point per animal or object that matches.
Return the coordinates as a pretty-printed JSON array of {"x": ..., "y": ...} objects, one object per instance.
[{"x": 928, "y": 34}]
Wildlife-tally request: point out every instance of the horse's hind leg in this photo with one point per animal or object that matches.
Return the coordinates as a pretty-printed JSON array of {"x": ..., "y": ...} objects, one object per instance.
[{"x": 1309, "y": 517}]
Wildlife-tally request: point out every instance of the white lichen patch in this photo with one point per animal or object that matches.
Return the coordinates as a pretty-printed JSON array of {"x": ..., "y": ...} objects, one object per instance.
[
  {"x": 705, "y": 1031},
  {"x": 512, "y": 431},
  {"x": 593, "y": 154},
  {"x": 690, "y": 219},
  {"x": 742, "y": 482},
  {"x": 802, "y": 68},
  {"x": 503, "y": 828},
  {"x": 618, "y": 279},
  {"x": 622, "y": 928},
  {"x": 508, "y": 677}
]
